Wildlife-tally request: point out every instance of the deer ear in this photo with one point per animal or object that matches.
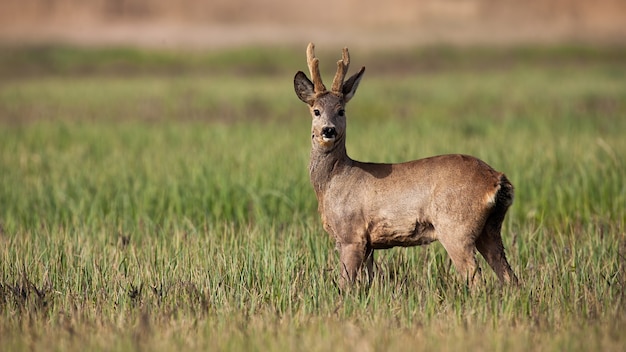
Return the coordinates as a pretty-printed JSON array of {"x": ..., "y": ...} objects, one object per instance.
[
  {"x": 350, "y": 86},
  {"x": 304, "y": 88}
]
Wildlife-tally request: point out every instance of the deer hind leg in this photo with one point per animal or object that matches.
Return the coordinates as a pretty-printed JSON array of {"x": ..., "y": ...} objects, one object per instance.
[
  {"x": 463, "y": 257},
  {"x": 489, "y": 244}
]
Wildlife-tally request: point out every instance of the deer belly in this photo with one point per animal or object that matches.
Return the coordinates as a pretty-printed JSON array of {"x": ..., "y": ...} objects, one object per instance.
[{"x": 386, "y": 235}]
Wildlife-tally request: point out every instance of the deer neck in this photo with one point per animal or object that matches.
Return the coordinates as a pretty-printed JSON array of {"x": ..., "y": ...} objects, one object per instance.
[{"x": 326, "y": 164}]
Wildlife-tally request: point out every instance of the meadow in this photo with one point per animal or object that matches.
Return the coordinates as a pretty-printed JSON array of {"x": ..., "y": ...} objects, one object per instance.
[{"x": 154, "y": 200}]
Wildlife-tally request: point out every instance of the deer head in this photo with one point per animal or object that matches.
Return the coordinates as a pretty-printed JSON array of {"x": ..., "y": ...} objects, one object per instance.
[{"x": 327, "y": 107}]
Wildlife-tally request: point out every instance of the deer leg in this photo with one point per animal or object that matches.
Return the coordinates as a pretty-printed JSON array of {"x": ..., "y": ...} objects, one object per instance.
[
  {"x": 369, "y": 265},
  {"x": 352, "y": 256},
  {"x": 464, "y": 260},
  {"x": 489, "y": 244}
]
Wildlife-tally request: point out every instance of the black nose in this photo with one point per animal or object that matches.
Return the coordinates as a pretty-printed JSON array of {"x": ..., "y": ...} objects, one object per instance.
[{"x": 329, "y": 132}]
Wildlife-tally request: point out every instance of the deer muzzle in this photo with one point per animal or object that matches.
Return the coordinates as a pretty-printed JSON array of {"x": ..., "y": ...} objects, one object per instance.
[{"x": 329, "y": 133}]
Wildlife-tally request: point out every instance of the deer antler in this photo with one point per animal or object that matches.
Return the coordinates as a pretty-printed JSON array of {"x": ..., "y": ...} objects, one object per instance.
[
  {"x": 342, "y": 69},
  {"x": 314, "y": 68}
]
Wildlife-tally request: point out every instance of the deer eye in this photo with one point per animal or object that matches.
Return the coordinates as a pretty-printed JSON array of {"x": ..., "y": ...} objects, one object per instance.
[
  {"x": 317, "y": 112},
  {"x": 341, "y": 112}
]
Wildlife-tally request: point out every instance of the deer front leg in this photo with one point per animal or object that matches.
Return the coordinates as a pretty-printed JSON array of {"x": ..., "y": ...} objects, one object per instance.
[
  {"x": 369, "y": 265},
  {"x": 352, "y": 256}
]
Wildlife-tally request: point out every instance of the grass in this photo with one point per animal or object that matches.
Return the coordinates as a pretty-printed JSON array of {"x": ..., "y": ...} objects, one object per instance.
[{"x": 161, "y": 211}]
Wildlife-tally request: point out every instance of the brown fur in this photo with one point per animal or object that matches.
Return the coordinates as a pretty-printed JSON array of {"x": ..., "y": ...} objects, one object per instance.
[{"x": 456, "y": 199}]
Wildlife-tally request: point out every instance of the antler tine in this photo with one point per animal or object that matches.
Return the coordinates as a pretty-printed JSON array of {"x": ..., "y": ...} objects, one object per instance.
[
  {"x": 314, "y": 68},
  {"x": 342, "y": 69}
]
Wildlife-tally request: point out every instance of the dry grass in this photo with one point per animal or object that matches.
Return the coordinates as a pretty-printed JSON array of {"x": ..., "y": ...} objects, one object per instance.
[{"x": 195, "y": 23}]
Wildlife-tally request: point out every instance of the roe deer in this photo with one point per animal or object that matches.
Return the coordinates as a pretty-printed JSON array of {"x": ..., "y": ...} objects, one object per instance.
[{"x": 456, "y": 199}]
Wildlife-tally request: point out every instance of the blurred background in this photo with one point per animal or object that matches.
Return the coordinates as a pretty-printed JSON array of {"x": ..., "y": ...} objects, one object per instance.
[
  {"x": 159, "y": 144},
  {"x": 227, "y": 23}
]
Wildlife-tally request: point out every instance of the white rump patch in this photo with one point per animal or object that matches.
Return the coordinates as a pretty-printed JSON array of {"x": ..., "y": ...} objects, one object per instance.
[{"x": 490, "y": 197}]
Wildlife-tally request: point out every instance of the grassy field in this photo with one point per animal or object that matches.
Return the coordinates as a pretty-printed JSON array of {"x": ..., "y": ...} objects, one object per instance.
[{"x": 160, "y": 201}]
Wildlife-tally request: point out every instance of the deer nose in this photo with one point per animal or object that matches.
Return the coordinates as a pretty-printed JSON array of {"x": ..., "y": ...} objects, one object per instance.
[{"x": 329, "y": 132}]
